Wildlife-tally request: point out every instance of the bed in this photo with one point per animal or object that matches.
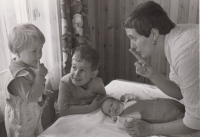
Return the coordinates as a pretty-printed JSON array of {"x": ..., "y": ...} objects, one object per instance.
[{"x": 96, "y": 124}]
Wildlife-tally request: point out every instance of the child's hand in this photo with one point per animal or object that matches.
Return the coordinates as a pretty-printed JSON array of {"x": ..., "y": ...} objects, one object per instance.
[
  {"x": 45, "y": 97},
  {"x": 41, "y": 70},
  {"x": 96, "y": 103},
  {"x": 122, "y": 98},
  {"x": 49, "y": 94},
  {"x": 114, "y": 118},
  {"x": 86, "y": 101}
]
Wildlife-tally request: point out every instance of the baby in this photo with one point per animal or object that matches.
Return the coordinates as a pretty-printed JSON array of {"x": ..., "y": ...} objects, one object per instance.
[{"x": 129, "y": 107}]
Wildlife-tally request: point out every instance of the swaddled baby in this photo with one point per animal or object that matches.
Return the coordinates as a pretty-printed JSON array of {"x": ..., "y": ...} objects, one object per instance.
[{"x": 129, "y": 107}]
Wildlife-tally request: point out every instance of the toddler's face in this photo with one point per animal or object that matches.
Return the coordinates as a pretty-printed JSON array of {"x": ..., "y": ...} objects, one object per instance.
[
  {"x": 81, "y": 72},
  {"x": 32, "y": 54},
  {"x": 111, "y": 107}
]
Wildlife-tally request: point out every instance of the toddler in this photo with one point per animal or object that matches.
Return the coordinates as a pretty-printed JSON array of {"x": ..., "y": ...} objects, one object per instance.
[
  {"x": 81, "y": 91},
  {"x": 129, "y": 107},
  {"x": 25, "y": 95}
]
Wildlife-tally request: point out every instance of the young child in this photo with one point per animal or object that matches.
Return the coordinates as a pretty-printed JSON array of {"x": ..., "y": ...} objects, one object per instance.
[
  {"x": 81, "y": 91},
  {"x": 26, "y": 95},
  {"x": 153, "y": 111}
]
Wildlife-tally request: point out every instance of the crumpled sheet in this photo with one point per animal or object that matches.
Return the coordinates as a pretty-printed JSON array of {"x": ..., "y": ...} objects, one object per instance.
[{"x": 96, "y": 124}]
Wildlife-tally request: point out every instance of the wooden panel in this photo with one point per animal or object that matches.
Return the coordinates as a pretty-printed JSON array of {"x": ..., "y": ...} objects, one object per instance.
[
  {"x": 193, "y": 11},
  {"x": 111, "y": 40},
  {"x": 102, "y": 21},
  {"x": 174, "y": 11},
  {"x": 121, "y": 32},
  {"x": 183, "y": 11}
]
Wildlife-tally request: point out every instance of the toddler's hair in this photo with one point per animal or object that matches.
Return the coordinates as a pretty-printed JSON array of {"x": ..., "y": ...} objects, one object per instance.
[
  {"x": 108, "y": 98},
  {"x": 88, "y": 54},
  {"x": 23, "y": 35}
]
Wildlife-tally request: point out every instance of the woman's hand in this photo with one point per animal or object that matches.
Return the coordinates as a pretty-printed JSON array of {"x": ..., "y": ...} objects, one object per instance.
[
  {"x": 138, "y": 128},
  {"x": 143, "y": 68}
]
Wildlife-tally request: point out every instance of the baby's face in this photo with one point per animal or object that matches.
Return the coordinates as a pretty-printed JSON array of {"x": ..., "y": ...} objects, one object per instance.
[{"x": 111, "y": 107}]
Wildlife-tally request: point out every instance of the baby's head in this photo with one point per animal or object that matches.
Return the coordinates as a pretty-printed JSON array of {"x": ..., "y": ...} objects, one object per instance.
[
  {"x": 26, "y": 41},
  {"x": 85, "y": 64},
  {"x": 111, "y": 107}
]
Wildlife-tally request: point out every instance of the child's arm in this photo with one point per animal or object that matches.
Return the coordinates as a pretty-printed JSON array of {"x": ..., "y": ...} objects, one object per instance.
[
  {"x": 101, "y": 89},
  {"x": 64, "y": 106},
  {"x": 26, "y": 89}
]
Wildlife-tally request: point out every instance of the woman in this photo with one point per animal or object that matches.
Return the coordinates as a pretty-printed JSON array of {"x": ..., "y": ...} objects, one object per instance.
[{"x": 150, "y": 29}]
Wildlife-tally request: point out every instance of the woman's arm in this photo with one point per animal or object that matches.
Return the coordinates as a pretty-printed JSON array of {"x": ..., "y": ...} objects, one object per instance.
[
  {"x": 171, "y": 128},
  {"x": 165, "y": 85},
  {"x": 66, "y": 107},
  {"x": 144, "y": 69},
  {"x": 142, "y": 128}
]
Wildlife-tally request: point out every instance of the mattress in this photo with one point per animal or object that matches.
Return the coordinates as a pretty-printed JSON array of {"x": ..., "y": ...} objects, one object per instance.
[{"x": 96, "y": 124}]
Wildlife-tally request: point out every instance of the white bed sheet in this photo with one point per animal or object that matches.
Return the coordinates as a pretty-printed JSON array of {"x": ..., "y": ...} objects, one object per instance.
[{"x": 96, "y": 124}]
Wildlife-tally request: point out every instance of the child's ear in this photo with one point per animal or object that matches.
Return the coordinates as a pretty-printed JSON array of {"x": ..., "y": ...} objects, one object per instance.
[{"x": 95, "y": 73}]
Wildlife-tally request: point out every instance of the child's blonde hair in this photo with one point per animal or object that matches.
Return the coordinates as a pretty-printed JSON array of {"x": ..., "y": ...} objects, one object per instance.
[{"x": 22, "y": 35}]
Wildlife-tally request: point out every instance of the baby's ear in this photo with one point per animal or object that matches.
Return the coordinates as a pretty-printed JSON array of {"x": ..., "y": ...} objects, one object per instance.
[{"x": 95, "y": 73}]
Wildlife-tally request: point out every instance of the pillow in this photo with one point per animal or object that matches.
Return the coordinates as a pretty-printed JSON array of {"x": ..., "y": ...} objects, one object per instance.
[{"x": 156, "y": 111}]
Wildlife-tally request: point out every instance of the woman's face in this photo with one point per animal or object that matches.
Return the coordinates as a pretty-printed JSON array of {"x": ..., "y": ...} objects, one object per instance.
[{"x": 141, "y": 44}]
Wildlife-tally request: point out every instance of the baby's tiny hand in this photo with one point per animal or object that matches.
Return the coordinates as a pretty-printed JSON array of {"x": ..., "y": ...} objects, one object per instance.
[
  {"x": 130, "y": 97},
  {"x": 114, "y": 118},
  {"x": 122, "y": 98}
]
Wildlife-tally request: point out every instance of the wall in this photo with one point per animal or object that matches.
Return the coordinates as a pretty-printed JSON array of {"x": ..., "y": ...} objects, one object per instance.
[{"x": 109, "y": 38}]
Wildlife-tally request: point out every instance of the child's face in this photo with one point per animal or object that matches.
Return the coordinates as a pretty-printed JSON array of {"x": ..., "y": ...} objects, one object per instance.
[
  {"x": 111, "y": 107},
  {"x": 81, "y": 72},
  {"x": 31, "y": 54}
]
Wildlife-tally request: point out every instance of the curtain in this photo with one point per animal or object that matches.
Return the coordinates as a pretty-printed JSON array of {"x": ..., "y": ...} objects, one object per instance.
[{"x": 75, "y": 29}]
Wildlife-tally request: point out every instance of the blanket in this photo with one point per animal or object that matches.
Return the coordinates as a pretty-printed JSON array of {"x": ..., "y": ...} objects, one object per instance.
[{"x": 96, "y": 124}]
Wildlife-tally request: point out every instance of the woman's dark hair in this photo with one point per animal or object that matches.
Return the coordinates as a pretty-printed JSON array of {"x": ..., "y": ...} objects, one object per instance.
[{"x": 146, "y": 16}]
